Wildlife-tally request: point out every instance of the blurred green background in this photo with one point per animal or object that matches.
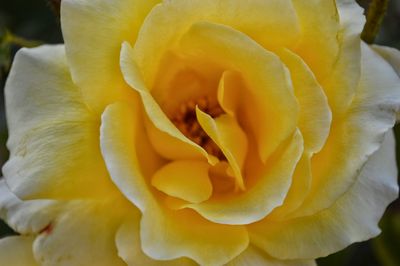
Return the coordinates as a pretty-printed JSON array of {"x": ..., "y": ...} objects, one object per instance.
[{"x": 31, "y": 22}]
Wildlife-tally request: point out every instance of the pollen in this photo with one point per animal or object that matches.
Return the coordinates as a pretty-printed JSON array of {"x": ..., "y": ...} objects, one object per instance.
[{"x": 186, "y": 121}]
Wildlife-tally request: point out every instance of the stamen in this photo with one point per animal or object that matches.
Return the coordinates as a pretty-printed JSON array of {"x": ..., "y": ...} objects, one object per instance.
[{"x": 186, "y": 121}]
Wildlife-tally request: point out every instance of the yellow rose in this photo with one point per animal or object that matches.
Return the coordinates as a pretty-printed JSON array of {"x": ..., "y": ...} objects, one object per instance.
[{"x": 199, "y": 132}]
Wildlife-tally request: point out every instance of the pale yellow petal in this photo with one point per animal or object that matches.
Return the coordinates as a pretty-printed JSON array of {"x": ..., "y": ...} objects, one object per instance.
[
  {"x": 165, "y": 234},
  {"x": 272, "y": 108},
  {"x": 301, "y": 184},
  {"x": 229, "y": 90},
  {"x": 339, "y": 88},
  {"x": 356, "y": 135},
  {"x": 314, "y": 114},
  {"x": 253, "y": 256},
  {"x": 391, "y": 55},
  {"x": 120, "y": 136},
  {"x": 319, "y": 27},
  {"x": 187, "y": 180},
  {"x": 230, "y": 138},
  {"x": 130, "y": 249},
  {"x": 93, "y": 32},
  {"x": 133, "y": 77},
  {"x": 172, "y": 234},
  {"x": 17, "y": 251},
  {"x": 352, "y": 218},
  {"x": 263, "y": 20},
  {"x": 25, "y": 217},
  {"x": 53, "y": 137},
  {"x": 83, "y": 234},
  {"x": 259, "y": 200}
]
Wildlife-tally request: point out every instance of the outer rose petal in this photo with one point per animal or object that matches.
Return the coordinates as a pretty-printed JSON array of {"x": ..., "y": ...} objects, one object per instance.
[
  {"x": 253, "y": 256},
  {"x": 353, "y": 217},
  {"x": 318, "y": 45},
  {"x": 25, "y": 217},
  {"x": 301, "y": 184},
  {"x": 391, "y": 55},
  {"x": 341, "y": 88},
  {"x": 53, "y": 137},
  {"x": 314, "y": 115},
  {"x": 17, "y": 251},
  {"x": 163, "y": 234},
  {"x": 356, "y": 134},
  {"x": 93, "y": 31},
  {"x": 83, "y": 234}
]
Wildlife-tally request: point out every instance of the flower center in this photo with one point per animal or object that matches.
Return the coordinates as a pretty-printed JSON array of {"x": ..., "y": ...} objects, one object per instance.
[{"x": 186, "y": 121}]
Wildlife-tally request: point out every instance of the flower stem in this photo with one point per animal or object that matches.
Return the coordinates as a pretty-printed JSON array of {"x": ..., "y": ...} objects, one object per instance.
[{"x": 376, "y": 12}]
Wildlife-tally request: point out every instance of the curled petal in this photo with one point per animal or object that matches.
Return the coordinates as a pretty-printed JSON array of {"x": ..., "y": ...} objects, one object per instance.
[
  {"x": 259, "y": 200},
  {"x": 43, "y": 107},
  {"x": 341, "y": 88},
  {"x": 391, "y": 55},
  {"x": 254, "y": 256},
  {"x": 130, "y": 249},
  {"x": 93, "y": 31},
  {"x": 352, "y": 218},
  {"x": 167, "y": 22},
  {"x": 230, "y": 138},
  {"x": 187, "y": 180},
  {"x": 83, "y": 234},
  {"x": 133, "y": 77},
  {"x": 17, "y": 250},
  {"x": 318, "y": 44},
  {"x": 314, "y": 113},
  {"x": 26, "y": 217},
  {"x": 162, "y": 233},
  {"x": 355, "y": 135}
]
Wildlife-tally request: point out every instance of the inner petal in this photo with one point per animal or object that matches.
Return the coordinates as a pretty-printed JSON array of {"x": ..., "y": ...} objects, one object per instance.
[
  {"x": 230, "y": 138},
  {"x": 187, "y": 180}
]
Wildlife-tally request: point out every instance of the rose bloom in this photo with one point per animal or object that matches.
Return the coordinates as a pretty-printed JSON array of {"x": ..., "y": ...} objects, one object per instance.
[{"x": 199, "y": 132}]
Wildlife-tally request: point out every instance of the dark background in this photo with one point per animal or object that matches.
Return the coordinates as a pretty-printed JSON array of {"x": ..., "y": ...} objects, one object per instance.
[{"x": 37, "y": 20}]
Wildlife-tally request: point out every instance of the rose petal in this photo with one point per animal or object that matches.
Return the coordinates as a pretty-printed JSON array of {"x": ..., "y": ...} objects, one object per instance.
[
  {"x": 155, "y": 114},
  {"x": 267, "y": 80},
  {"x": 254, "y": 256},
  {"x": 25, "y": 217},
  {"x": 167, "y": 22},
  {"x": 229, "y": 92},
  {"x": 301, "y": 184},
  {"x": 230, "y": 138},
  {"x": 187, "y": 180},
  {"x": 172, "y": 234},
  {"x": 391, "y": 55},
  {"x": 17, "y": 250},
  {"x": 130, "y": 249},
  {"x": 318, "y": 45},
  {"x": 259, "y": 200},
  {"x": 163, "y": 234},
  {"x": 93, "y": 31},
  {"x": 83, "y": 234},
  {"x": 43, "y": 107},
  {"x": 356, "y": 135},
  {"x": 352, "y": 218},
  {"x": 341, "y": 88},
  {"x": 314, "y": 114}
]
